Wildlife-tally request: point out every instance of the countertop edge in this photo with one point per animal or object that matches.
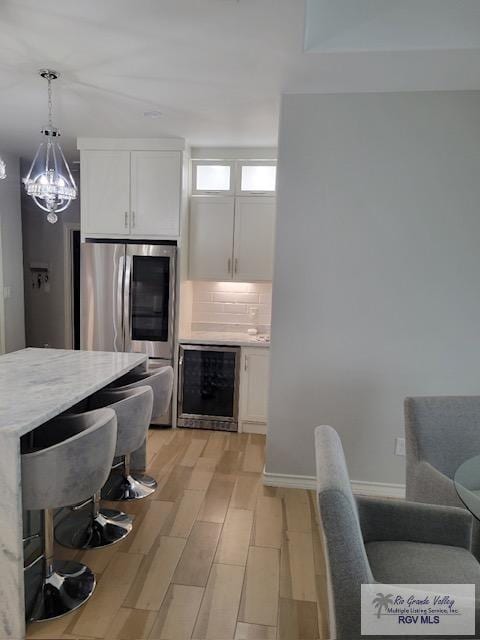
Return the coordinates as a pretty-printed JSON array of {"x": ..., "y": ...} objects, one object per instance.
[
  {"x": 21, "y": 429},
  {"x": 226, "y": 342}
]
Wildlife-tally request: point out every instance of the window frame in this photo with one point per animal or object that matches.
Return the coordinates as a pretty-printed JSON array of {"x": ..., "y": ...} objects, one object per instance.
[
  {"x": 214, "y": 192},
  {"x": 252, "y": 163}
]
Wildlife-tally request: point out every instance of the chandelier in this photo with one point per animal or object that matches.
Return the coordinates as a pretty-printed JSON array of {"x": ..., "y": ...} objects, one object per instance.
[
  {"x": 3, "y": 169},
  {"x": 49, "y": 181}
]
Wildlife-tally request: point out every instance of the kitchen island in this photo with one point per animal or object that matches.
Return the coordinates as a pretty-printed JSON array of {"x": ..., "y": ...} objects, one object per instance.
[{"x": 35, "y": 386}]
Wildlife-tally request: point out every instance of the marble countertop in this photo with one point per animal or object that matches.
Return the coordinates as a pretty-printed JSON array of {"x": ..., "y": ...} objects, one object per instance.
[
  {"x": 223, "y": 338},
  {"x": 39, "y": 384}
]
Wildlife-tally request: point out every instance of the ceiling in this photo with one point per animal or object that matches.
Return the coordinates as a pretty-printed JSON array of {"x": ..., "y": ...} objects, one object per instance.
[
  {"x": 392, "y": 25},
  {"x": 214, "y": 69}
]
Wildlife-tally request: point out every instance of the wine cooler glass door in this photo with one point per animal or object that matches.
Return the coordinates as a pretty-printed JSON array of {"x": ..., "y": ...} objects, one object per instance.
[{"x": 209, "y": 378}]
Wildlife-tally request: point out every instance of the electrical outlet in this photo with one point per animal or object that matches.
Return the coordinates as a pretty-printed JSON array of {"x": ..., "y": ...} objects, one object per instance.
[{"x": 399, "y": 446}]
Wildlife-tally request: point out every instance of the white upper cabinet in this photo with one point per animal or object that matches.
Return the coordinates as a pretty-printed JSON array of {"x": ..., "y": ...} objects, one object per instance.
[
  {"x": 231, "y": 238},
  {"x": 232, "y": 229},
  {"x": 254, "y": 239},
  {"x": 155, "y": 193},
  {"x": 131, "y": 187},
  {"x": 105, "y": 192},
  {"x": 211, "y": 238}
]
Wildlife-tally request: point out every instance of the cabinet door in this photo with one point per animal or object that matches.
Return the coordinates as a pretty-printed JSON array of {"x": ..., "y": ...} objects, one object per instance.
[
  {"x": 254, "y": 381},
  {"x": 156, "y": 193},
  {"x": 211, "y": 238},
  {"x": 105, "y": 200},
  {"x": 254, "y": 239}
]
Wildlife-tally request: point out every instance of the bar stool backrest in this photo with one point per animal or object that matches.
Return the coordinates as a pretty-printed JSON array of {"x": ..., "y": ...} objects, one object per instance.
[
  {"x": 70, "y": 459},
  {"x": 133, "y": 408},
  {"x": 161, "y": 382}
]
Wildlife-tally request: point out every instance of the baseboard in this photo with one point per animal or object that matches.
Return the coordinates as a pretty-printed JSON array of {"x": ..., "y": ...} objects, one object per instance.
[
  {"x": 254, "y": 427},
  {"x": 288, "y": 481},
  {"x": 380, "y": 489}
]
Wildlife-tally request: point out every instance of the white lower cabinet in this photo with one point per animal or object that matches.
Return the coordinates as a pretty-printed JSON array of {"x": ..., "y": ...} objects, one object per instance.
[{"x": 254, "y": 381}]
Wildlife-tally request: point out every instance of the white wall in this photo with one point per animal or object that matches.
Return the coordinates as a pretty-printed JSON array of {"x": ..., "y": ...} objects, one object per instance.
[
  {"x": 44, "y": 243},
  {"x": 377, "y": 278},
  {"x": 11, "y": 254}
]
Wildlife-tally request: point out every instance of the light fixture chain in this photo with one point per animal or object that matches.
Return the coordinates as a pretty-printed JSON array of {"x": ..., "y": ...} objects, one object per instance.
[{"x": 50, "y": 107}]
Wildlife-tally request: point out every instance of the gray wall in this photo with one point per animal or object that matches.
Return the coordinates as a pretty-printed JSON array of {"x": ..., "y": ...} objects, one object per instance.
[
  {"x": 44, "y": 243},
  {"x": 377, "y": 277},
  {"x": 11, "y": 254}
]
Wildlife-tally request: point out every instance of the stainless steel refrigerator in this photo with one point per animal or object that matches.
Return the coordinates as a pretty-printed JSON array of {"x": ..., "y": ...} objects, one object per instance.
[{"x": 127, "y": 299}]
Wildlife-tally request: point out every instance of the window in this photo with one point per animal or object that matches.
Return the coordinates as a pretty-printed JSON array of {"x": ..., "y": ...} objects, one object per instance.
[
  {"x": 255, "y": 178},
  {"x": 212, "y": 177},
  {"x": 234, "y": 177}
]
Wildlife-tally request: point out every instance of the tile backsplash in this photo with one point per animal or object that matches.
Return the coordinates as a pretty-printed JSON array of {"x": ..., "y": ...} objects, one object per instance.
[{"x": 231, "y": 306}]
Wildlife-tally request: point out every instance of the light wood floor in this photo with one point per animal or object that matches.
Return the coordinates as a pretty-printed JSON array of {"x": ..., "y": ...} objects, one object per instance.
[{"x": 214, "y": 553}]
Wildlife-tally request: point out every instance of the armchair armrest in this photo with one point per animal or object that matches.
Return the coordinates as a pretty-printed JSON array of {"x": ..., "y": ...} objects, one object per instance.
[
  {"x": 432, "y": 486},
  {"x": 383, "y": 519}
]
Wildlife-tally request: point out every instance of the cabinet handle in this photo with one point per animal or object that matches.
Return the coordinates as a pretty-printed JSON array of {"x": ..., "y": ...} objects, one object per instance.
[
  {"x": 229, "y": 265},
  {"x": 236, "y": 265},
  {"x": 245, "y": 365},
  {"x": 126, "y": 219},
  {"x": 133, "y": 218}
]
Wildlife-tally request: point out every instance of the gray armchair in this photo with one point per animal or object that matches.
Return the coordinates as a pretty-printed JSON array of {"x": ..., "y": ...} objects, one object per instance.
[
  {"x": 372, "y": 540},
  {"x": 441, "y": 432}
]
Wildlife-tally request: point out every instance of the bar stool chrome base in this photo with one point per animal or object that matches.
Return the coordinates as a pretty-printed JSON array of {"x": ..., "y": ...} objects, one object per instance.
[
  {"x": 126, "y": 487},
  {"x": 68, "y": 587},
  {"x": 144, "y": 479},
  {"x": 83, "y": 530}
]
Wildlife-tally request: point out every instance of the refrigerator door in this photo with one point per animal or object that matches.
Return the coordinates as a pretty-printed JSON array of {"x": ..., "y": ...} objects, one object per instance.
[
  {"x": 149, "y": 299},
  {"x": 101, "y": 296}
]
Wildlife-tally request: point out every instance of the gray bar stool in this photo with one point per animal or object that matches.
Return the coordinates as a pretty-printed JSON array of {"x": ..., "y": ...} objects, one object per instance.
[
  {"x": 161, "y": 382},
  {"x": 134, "y": 412},
  {"x": 99, "y": 526},
  {"x": 67, "y": 460}
]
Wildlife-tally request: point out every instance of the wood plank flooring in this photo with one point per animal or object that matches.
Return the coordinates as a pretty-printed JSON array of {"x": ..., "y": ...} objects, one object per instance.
[{"x": 214, "y": 554}]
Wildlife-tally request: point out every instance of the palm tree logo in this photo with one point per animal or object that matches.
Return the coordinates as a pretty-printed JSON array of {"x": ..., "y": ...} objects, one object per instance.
[{"x": 382, "y": 602}]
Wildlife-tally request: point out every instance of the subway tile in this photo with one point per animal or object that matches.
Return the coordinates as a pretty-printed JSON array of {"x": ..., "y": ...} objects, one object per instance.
[
  {"x": 228, "y": 296},
  {"x": 208, "y": 307},
  {"x": 234, "y": 308},
  {"x": 225, "y": 306},
  {"x": 236, "y": 287}
]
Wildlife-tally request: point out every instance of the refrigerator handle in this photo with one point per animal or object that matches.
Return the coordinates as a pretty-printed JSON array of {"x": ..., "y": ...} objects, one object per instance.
[
  {"x": 117, "y": 318},
  {"x": 127, "y": 303}
]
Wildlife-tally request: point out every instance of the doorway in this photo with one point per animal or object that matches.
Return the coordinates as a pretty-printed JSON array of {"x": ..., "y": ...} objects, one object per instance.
[{"x": 72, "y": 240}]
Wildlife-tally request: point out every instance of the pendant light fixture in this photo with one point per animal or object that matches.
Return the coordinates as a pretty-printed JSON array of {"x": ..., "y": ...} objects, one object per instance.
[
  {"x": 3, "y": 169},
  {"x": 49, "y": 181}
]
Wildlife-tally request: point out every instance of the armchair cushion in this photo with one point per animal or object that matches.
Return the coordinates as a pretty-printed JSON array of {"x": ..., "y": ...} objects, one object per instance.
[
  {"x": 386, "y": 520},
  {"x": 419, "y": 563}
]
